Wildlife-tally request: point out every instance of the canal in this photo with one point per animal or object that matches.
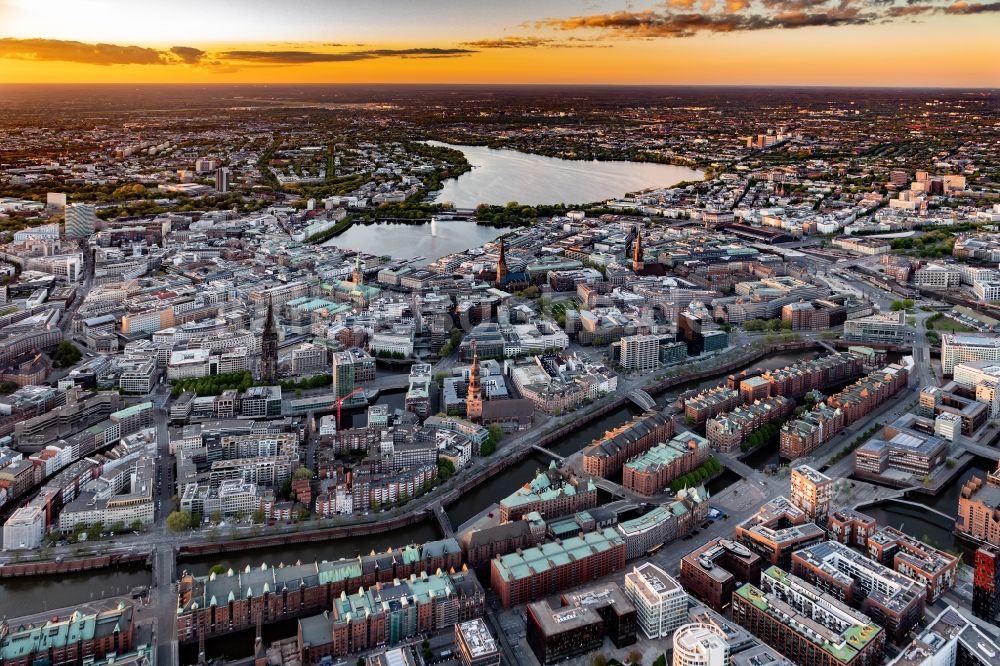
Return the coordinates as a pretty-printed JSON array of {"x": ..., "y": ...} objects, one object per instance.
[{"x": 24, "y": 596}]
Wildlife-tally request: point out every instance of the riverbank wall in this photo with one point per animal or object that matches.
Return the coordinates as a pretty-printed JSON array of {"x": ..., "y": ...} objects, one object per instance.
[{"x": 74, "y": 565}]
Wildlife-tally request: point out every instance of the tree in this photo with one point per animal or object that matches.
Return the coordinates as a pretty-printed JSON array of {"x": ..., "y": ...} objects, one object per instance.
[
  {"x": 446, "y": 468},
  {"x": 600, "y": 660},
  {"x": 178, "y": 521},
  {"x": 94, "y": 531},
  {"x": 635, "y": 657},
  {"x": 302, "y": 473},
  {"x": 487, "y": 447},
  {"x": 257, "y": 516},
  {"x": 137, "y": 525},
  {"x": 301, "y": 513},
  {"x": 218, "y": 570},
  {"x": 66, "y": 354},
  {"x": 215, "y": 517},
  {"x": 496, "y": 433}
]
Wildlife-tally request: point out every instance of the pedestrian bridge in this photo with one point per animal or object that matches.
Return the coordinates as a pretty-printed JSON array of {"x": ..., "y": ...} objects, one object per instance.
[{"x": 641, "y": 399}]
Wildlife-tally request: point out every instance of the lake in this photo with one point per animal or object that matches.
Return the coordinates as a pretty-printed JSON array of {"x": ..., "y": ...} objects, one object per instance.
[
  {"x": 431, "y": 240},
  {"x": 500, "y": 176}
]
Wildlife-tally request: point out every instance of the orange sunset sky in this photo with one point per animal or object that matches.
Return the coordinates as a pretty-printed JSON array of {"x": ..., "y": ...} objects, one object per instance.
[{"x": 783, "y": 42}]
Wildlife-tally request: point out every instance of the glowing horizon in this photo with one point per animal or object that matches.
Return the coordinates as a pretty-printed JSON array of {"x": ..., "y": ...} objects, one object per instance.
[{"x": 912, "y": 43}]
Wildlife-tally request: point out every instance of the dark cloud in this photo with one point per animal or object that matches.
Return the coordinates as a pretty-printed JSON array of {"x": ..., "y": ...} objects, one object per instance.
[
  {"x": 70, "y": 51},
  {"x": 512, "y": 42},
  {"x": 307, "y": 57},
  {"x": 745, "y": 15},
  {"x": 188, "y": 54}
]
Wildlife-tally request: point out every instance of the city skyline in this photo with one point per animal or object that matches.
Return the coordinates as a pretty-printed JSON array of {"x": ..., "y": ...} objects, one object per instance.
[{"x": 683, "y": 42}]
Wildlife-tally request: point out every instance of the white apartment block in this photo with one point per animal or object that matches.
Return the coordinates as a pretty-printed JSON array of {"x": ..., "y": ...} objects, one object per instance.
[
  {"x": 24, "y": 529},
  {"x": 964, "y": 348},
  {"x": 937, "y": 275},
  {"x": 987, "y": 291},
  {"x": 393, "y": 343},
  {"x": 660, "y": 601},
  {"x": 640, "y": 352}
]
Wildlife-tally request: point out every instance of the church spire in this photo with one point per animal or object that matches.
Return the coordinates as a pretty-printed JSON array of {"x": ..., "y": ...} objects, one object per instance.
[
  {"x": 269, "y": 346},
  {"x": 501, "y": 264},
  {"x": 474, "y": 397},
  {"x": 637, "y": 256}
]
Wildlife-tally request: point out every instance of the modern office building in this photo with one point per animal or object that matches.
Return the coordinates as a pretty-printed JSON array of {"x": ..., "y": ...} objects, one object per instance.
[
  {"x": 883, "y": 328},
  {"x": 659, "y": 600},
  {"x": 960, "y": 348},
  {"x": 713, "y": 572},
  {"x": 579, "y": 624},
  {"x": 811, "y": 491},
  {"x": 80, "y": 220},
  {"x": 476, "y": 645},
  {"x": 343, "y": 373},
  {"x": 223, "y": 179},
  {"x": 778, "y": 528},
  {"x": 697, "y": 644},
  {"x": 799, "y": 619},
  {"x": 986, "y": 583},
  {"x": 894, "y": 601}
]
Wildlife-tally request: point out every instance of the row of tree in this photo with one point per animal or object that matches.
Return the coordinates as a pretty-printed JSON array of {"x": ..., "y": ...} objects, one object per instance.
[{"x": 707, "y": 469}]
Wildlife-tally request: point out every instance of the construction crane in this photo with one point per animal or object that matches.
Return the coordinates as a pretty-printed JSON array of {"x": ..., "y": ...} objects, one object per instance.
[{"x": 340, "y": 401}]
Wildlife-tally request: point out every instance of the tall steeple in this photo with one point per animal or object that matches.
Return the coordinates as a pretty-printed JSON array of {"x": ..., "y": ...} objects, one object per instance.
[
  {"x": 359, "y": 275},
  {"x": 502, "y": 264},
  {"x": 637, "y": 258},
  {"x": 474, "y": 397},
  {"x": 269, "y": 346}
]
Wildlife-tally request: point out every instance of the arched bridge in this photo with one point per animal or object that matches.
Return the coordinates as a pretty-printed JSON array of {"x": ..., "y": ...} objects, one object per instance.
[{"x": 641, "y": 399}]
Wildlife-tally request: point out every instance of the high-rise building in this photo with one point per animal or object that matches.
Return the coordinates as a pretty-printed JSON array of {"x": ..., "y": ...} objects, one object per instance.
[
  {"x": 640, "y": 352},
  {"x": 697, "y": 644},
  {"x": 811, "y": 491},
  {"x": 343, "y": 373},
  {"x": 269, "y": 347},
  {"x": 474, "y": 397},
  {"x": 80, "y": 220},
  {"x": 476, "y": 646},
  {"x": 659, "y": 600},
  {"x": 986, "y": 583},
  {"x": 223, "y": 179}
]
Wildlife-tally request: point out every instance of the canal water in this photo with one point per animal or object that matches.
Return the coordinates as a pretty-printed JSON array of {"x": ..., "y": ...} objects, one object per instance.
[
  {"x": 500, "y": 176},
  {"x": 930, "y": 527},
  {"x": 25, "y": 596}
]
